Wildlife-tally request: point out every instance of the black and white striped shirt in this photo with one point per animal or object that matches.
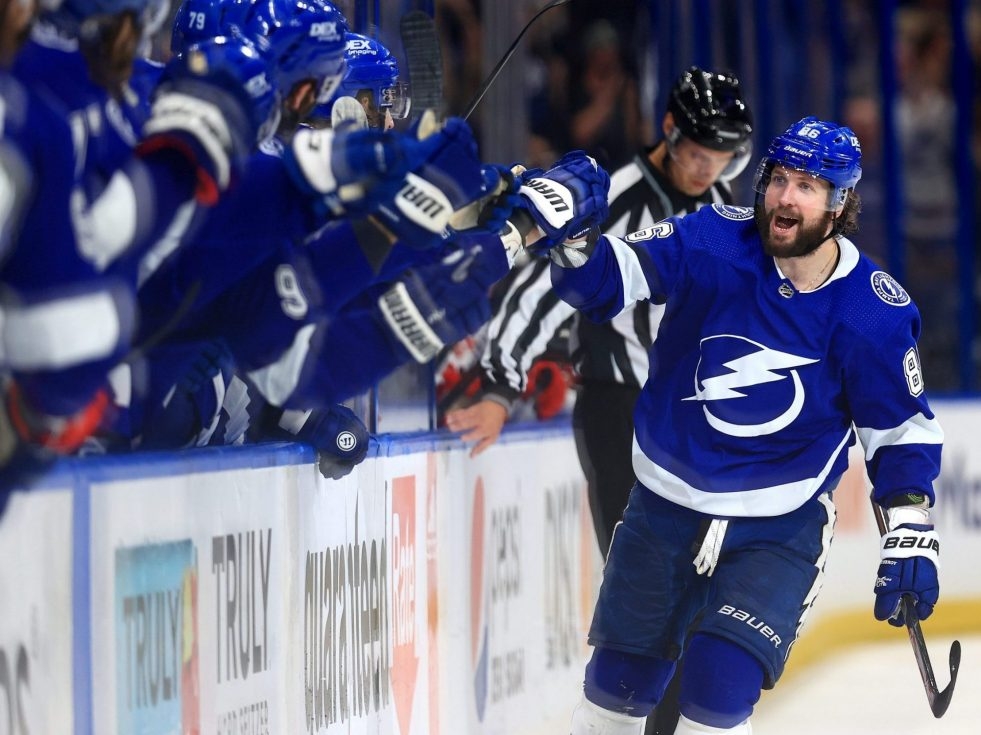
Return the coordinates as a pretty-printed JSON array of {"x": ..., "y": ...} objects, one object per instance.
[{"x": 531, "y": 313}]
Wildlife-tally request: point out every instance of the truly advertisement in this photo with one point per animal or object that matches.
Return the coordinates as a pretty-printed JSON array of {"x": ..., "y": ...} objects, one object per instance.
[
  {"x": 189, "y": 602},
  {"x": 242, "y": 570},
  {"x": 157, "y": 639},
  {"x": 346, "y": 634}
]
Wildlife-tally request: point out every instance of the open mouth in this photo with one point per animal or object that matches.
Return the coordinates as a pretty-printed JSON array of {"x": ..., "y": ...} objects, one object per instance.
[{"x": 784, "y": 223}]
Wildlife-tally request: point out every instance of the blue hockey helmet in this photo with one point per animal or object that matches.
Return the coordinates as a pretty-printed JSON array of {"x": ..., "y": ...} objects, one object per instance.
[
  {"x": 822, "y": 149},
  {"x": 370, "y": 65},
  {"x": 195, "y": 21},
  {"x": 234, "y": 65},
  {"x": 304, "y": 39},
  {"x": 371, "y": 69}
]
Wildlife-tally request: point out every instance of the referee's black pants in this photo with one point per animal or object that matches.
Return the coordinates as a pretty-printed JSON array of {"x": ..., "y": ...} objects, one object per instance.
[{"x": 603, "y": 423}]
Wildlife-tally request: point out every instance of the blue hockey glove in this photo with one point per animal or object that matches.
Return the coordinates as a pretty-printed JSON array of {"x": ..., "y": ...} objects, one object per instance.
[
  {"x": 213, "y": 104},
  {"x": 496, "y": 211},
  {"x": 910, "y": 558},
  {"x": 338, "y": 435},
  {"x": 435, "y": 305},
  {"x": 449, "y": 177},
  {"x": 188, "y": 413},
  {"x": 568, "y": 200},
  {"x": 351, "y": 171},
  {"x": 490, "y": 212}
]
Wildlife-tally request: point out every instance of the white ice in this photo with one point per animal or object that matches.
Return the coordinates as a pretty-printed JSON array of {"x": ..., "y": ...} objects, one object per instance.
[{"x": 875, "y": 689}]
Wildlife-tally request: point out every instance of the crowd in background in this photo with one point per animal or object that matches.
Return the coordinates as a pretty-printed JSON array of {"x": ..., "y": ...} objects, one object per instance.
[{"x": 591, "y": 74}]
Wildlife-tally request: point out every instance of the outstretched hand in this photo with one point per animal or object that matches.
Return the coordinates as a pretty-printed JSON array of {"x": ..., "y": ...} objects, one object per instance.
[{"x": 481, "y": 423}]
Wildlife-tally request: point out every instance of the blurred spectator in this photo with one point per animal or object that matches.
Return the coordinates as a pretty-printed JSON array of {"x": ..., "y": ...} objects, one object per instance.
[
  {"x": 458, "y": 23},
  {"x": 548, "y": 102},
  {"x": 925, "y": 119},
  {"x": 606, "y": 120}
]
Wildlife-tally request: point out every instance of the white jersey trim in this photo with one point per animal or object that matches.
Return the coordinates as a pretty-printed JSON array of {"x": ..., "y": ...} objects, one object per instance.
[
  {"x": 61, "y": 333},
  {"x": 276, "y": 382},
  {"x": 916, "y": 429},
  {"x": 635, "y": 285},
  {"x": 759, "y": 502}
]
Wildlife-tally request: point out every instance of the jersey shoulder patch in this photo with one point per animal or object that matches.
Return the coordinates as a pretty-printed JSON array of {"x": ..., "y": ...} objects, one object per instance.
[
  {"x": 730, "y": 211},
  {"x": 888, "y": 289}
]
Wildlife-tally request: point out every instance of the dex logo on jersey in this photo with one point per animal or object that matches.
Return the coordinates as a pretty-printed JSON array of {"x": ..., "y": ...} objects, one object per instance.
[{"x": 746, "y": 388}]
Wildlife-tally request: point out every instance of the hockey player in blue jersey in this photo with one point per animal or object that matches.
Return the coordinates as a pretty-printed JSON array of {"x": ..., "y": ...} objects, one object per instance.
[
  {"x": 371, "y": 94},
  {"x": 66, "y": 323},
  {"x": 780, "y": 343},
  {"x": 242, "y": 300}
]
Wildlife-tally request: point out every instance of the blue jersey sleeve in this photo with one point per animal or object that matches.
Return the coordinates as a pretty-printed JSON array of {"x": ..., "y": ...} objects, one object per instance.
[
  {"x": 650, "y": 264},
  {"x": 886, "y": 396}
]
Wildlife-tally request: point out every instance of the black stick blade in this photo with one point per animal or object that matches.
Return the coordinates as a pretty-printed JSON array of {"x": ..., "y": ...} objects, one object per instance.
[{"x": 941, "y": 701}]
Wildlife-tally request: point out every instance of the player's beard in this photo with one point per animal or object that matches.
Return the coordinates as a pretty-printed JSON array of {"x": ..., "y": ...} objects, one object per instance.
[{"x": 806, "y": 241}]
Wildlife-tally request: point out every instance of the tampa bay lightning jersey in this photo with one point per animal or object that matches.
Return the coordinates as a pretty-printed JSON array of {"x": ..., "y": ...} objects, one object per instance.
[
  {"x": 64, "y": 324},
  {"x": 756, "y": 390}
]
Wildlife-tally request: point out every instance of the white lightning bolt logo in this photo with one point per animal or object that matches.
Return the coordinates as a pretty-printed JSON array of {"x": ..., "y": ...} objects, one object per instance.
[{"x": 755, "y": 368}]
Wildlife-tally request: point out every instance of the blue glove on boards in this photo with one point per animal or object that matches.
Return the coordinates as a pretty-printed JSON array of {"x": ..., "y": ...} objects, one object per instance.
[{"x": 340, "y": 438}]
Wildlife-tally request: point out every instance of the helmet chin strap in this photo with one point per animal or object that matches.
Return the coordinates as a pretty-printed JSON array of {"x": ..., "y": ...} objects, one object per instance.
[{"x": 836, "y": 226}]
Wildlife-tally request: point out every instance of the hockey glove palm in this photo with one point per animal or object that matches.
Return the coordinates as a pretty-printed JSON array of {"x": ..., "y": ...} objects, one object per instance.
[
  {"x": 910, "y": 557},
  {"x": 492, "y": 213}
]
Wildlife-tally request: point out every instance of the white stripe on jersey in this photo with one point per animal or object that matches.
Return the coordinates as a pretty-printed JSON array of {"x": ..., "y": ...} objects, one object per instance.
[
  {"x": 276, "y": 382},
  {"x": 917, "y": 430},
  {"x": 107, "y": 227},
  {"x": 62, "y": 332},
  {"x": 635, "y": 286},
  {"x": 168, "y": 242},
  {"x": 762, "y": 501}
]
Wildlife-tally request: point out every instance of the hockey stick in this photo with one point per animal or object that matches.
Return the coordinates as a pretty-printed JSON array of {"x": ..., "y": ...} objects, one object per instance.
[
  {"x": 939, "y": 700},
  {"x": 504, "y": 59},
  {"x": 420, "y": 42}
]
